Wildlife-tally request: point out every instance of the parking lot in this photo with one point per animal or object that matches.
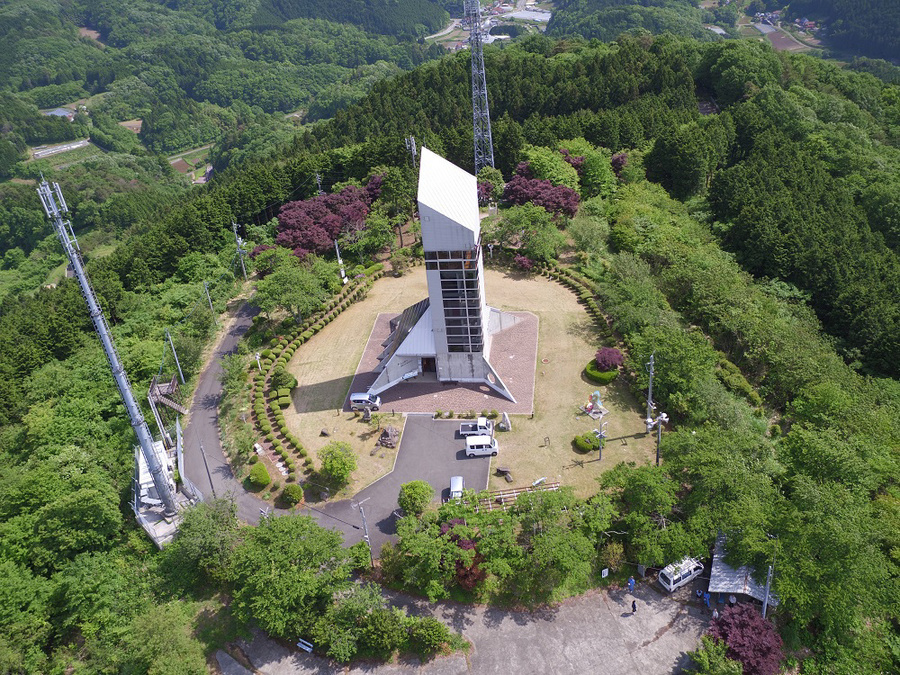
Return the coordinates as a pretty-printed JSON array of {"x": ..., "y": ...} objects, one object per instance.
[{"x": 430, "y": 450}]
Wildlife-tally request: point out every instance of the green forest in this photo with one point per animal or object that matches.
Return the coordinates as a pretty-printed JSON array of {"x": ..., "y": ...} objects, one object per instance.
[
  {"x": 754, "y": 250},
  {"x": 607, "y": 19},
  {"x": 191, "y": 77}
]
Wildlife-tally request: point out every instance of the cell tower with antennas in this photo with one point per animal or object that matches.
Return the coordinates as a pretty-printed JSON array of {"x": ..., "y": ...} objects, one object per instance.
[
  {"x": 481, "y": 116},
  {"x": 155, "y": 460}
]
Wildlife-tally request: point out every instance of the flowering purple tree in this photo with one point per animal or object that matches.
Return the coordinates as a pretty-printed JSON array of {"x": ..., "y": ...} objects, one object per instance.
[
  {"x": 608, "y": 358},
  {"x": 751, "y": 639},
  {"x": 524, "y": 262},
  {"x": 576, "y": 162},
  {"x": 312, "y": 225},
  {"x": 485, "y": 188},
  {"x": 619, "y": 161},
  {"x": 557, "y": 199}
]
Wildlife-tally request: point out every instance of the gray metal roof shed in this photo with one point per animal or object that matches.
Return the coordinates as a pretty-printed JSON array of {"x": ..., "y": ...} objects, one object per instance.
[{"x": 727, "y": 579}]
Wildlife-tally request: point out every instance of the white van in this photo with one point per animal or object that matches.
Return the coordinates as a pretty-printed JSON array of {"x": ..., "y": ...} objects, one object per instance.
[
  {"x": 456, "y": 487},
  {"x": 362, "y": 401},
  {"x": 678, "y": 574},
  {"x": 479, "y": 446}
]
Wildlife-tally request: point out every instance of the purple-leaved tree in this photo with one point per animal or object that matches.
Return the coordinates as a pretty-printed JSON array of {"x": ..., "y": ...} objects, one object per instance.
[
  {"x": 608, "y": 358},
  {"x": 751, "y": 639}
]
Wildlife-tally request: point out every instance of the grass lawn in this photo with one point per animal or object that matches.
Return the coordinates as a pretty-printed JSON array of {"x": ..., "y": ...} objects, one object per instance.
[{"x": 324, "y": 368}]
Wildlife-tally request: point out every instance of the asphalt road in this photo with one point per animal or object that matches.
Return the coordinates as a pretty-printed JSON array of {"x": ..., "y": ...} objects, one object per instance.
[{"x": 204, "y": 459}]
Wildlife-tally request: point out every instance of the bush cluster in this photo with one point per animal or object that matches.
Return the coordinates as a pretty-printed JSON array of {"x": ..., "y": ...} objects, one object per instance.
[{"x": 586, "y": 442}]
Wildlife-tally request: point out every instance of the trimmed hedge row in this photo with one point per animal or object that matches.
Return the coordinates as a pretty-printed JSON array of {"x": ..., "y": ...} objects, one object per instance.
[{"x": 267, "y": 409}]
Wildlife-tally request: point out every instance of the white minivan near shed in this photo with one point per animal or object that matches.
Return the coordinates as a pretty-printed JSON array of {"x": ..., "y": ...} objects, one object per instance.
[{"x": 678, "y": 574}]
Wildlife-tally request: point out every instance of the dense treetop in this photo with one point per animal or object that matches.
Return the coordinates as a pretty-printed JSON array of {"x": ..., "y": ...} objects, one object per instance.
[
  {"x": 405, "y": 18},
  {"x": 607, "y": 19}
]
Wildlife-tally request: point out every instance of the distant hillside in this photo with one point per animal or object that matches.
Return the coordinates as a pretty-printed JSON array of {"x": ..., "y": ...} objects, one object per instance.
[
  {"x": 403, "y": 18},
  {"x": 871, "y": 27},
  {"x": 607, "y": 19}
]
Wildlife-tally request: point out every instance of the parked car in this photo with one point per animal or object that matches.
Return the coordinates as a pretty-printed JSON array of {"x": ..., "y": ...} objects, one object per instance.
[
  {"x": 362, "y": 401},
  {"x": 480, "y": 446},
  {"x": 480, "y": 427},
  {"x": 678, "y": 574},
  {"x": 456, "y": 487}
]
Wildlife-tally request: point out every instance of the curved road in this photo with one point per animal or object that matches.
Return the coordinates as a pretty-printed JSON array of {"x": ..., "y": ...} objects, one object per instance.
[{"x": 204, "y": 458}]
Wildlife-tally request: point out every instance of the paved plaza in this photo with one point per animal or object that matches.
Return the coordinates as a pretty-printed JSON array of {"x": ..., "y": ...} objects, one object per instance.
[
  {"x": 593, "y": 633},
  {"x": 513, "y": 354}
]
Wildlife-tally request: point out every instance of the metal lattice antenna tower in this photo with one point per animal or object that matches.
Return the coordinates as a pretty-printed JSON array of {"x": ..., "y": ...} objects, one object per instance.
[
  {"x": 481, "y": 116},
  {"x": 141, "y": 430}
]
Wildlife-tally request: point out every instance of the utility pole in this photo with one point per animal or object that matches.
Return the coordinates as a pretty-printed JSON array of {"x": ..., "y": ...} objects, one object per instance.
[
  {"x": 209, "y": 300},
  {"x": 362, "y": 513},
  {"x": 161, "y": 482},
  {"x": 481, "y": 116},
  {"x": 650, "y": 404},
  {"x": 660, "y": 419},
  {"x": 319, "y": 184},
  {"x": 175, "y": 354},
  {"x": 765, "y": 606},
  {"x": 240, "y": 248}
]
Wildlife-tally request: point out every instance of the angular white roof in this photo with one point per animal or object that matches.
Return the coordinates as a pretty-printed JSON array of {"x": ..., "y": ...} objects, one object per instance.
[
  {"x": 420, "y": 341},
  {"x": 450, "y": 191}
]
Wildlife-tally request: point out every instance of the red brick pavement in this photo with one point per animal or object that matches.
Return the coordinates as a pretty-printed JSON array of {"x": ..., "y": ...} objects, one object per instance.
[{"x": 513, "y": 355}]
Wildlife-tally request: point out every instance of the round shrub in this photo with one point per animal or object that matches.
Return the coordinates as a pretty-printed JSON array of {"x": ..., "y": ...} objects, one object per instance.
[
  {"x": 284, "y": 401},
  {"x": 415, "y": 497},
  {"x": 593, "y": 374},
  {"x": 586, "y": 442},
  {"x": 259, "y": 476},
  {"x": 254, "y": 458},
  {"x": 292, "y": 494}
]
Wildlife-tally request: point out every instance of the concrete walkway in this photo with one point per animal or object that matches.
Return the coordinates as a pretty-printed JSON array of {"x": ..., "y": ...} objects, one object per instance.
[{"x": 593, "y": 633}]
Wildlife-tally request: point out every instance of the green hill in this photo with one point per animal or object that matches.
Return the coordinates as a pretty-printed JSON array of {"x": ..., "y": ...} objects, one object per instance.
[{"x": 403, "y": 18}]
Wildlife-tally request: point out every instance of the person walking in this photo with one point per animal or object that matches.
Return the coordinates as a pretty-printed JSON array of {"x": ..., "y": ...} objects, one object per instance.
[
  {"x": 732, "y": 601},
  {"x": 715, "y": 614},
  {"x": 631, "y": 584},
  {"x": 634, "y": 607},
  {"x": 706, "y": 599}
]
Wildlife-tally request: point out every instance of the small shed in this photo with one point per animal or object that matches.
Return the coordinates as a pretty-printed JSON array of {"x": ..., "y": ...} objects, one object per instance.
[{"x": 735, "y": 580}]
